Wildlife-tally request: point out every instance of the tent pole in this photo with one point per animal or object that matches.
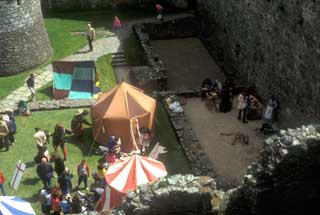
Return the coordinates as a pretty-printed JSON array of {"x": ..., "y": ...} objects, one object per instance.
[{"x": 94, "y": 139}]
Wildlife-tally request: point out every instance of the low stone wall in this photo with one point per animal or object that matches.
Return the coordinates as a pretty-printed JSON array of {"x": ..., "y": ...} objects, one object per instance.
[
  {"x": 60, "y": 104},
  {"x": 199, "y": 162},
  {"x": 155, "y": 71},
  {"x": 177, "y": 194}
]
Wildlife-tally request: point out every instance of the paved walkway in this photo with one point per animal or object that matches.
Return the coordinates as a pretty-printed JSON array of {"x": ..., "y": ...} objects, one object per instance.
[{"x": 102, "y": 47}]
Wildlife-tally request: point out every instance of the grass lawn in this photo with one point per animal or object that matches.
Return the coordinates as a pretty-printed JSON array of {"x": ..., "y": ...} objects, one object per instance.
[
  {"x": 25, "y": 149},
  {"x": 105, "y": 73},
  {"x": 60, "y": 25}
]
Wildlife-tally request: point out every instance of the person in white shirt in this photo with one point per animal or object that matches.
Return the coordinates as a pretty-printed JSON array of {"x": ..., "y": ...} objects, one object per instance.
[{"x": 40, "y": 138}]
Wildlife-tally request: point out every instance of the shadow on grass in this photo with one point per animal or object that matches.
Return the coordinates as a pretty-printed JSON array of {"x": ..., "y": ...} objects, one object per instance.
[
  {"x": 45, "y": 92},
  {"x": 83, "y": 143},
  {"x": 32, "y": 199},
  {"x": 30, "y": 181},
  {"x": 30, "y": 164}
]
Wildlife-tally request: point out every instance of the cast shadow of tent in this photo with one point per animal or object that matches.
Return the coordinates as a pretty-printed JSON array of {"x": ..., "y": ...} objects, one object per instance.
[{"x": 83, "y": 144}]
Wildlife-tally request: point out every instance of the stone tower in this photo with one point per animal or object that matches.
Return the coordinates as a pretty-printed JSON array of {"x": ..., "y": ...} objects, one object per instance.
[{"x": 24, "y": 41}]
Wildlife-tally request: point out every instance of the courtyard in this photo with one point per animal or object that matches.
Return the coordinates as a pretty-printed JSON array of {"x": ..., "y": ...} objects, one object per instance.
[{"x": 187, "y": 64}]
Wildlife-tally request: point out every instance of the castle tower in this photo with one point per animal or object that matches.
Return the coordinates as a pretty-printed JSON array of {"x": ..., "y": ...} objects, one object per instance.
[{"x": 24, "y": 41}]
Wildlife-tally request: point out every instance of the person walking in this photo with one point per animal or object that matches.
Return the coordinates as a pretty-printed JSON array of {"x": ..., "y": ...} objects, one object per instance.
[
  {"x": 159, "y": 10},
  {"x": 4, "y": 131},
  {"x": 116, "y": 25},
  {"x": 30, "y": 85},
  {"x": 2, "y": 179},
  {"x": 45, "y": 172},
  {"x": 58, "y": 139},
  {"x": 55, "y": 200},
  {"x": 91, "y": 35},
  {"x": 83, "y": 171}
]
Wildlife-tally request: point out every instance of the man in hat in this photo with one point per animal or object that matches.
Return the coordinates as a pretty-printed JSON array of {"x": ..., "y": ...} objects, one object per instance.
[
  {"x": 4, "y": 131},
  {"x": 77, "y": 122}
]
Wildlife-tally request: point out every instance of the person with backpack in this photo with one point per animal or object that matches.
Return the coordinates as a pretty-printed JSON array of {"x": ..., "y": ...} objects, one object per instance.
[{"x": 65, "y": 183}]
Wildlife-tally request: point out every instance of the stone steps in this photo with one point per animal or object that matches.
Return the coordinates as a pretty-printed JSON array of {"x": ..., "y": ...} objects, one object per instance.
[{"x": 118, "y": 59}]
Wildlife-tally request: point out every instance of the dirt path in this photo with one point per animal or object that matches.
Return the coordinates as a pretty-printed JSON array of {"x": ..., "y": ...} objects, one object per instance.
[
  {"x": 230, "y": 162},
  {"x": 187, "y": 62}
]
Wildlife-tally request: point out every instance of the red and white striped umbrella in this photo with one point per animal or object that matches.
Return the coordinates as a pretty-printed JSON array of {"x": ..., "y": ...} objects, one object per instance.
[{"x": 128, "y": 173}]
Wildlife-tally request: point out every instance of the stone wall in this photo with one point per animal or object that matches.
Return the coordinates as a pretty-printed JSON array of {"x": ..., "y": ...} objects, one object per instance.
[
  {"x": 23, "y": 38},
  {"x": 87, "y": 4},
  {"x": 285, "y": 181},
  {"x": 177, "y": 194},
  {"x": 153, "y": 76},
  {"x": 273, "y": 44}
]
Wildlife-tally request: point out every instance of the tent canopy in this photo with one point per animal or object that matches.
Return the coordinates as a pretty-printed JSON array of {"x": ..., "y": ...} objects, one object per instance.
[
  {"x": 73, "y": 80},
  {"x": 11, "y": 205},
  {"x": 114, "y": 111},
  {"x": 127, "y": 174}
]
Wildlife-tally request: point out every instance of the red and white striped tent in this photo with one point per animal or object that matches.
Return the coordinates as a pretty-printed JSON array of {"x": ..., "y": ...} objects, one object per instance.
[{"x": 126, "y": 174}]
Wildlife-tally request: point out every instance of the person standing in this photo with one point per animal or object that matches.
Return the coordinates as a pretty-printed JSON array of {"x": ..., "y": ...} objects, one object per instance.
[
  {"x": 55, "y": 200},
  {"x": 65, "y": 183},
  {"x": 4, "y": 131},
  {"x": 59, "y": 166},
  {"x": 30, "y": 85},
  {"x": 159, "y": 10},
  {"x": 271, "y": 105},
  {"x": 116, "y": 25},
  {"x": 45, "y": 201},
  {"x": 45, "y": 172},
  {"x": 83, "y": 171},
  {"x": 242, "y": 107},
  {"x": 91, "y": 35},
  {"x": 58, "y": 139},
  {"x": 40, "y": 137},
  {"x": 2, "y": 179}
]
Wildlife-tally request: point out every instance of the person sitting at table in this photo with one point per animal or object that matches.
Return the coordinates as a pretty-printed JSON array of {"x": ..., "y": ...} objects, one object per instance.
[
  {"x": 254, "y": 108},
  {"x": 206, "y": 87}
]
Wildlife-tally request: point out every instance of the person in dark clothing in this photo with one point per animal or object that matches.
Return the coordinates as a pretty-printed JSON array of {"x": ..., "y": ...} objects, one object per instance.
[
  {"x": 206, "y": 87},
  {"x": 45, "y": 172},
  {"x": 58, "y": 139},
  {"x": 10, "y": 125},
  {"x": 30, "y": 85},
  {"x": 59, "y": 166},
  {"x": 225, "y": 97},
  {"x": 65, "y": 183},
  {"x": 77, "y": 122}
]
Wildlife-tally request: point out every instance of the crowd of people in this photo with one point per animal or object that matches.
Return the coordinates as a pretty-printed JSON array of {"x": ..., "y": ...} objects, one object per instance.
[{"x": 249, "y": 107}]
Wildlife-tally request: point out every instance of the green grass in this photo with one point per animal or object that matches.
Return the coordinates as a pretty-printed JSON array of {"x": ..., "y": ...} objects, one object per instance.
[
  {"x": 175, "y": 159},
  {"x": 60, "y": 25},
  {"x": 25, "y": 149},
  {"x": 133, "y": 50},
  {"x": 105, "y": 74}
]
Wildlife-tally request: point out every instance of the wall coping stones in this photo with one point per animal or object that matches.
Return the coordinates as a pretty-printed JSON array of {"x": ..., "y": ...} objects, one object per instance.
[{"x": 60, "y": 104}]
